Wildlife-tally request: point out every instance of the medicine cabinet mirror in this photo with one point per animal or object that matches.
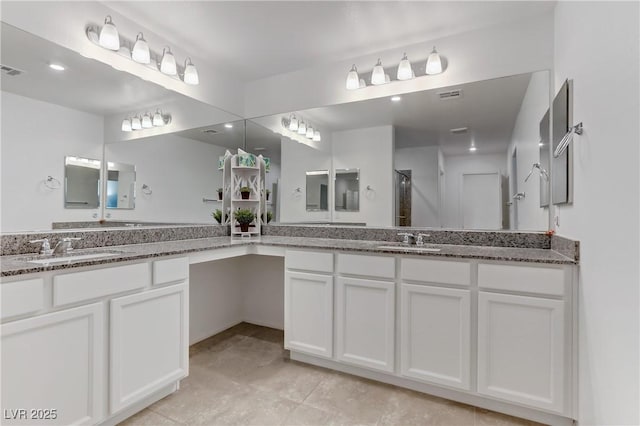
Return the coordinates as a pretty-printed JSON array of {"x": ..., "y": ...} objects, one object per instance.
[
  {"x": 81, "y": 183},
  {"x": 317, "y": 190}
]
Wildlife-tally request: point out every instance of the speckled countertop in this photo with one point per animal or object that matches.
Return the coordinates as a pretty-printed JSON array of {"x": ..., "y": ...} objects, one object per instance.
[{"x": 18, "y": 264}]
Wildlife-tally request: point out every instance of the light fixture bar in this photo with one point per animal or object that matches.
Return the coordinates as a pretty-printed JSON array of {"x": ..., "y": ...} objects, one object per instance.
[{"x": 144, "y": 121}]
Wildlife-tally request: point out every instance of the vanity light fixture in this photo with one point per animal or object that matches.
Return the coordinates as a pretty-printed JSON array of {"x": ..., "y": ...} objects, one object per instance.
[
  {"x": 309, "y": 133},
  {"x": 146, "y": 121},
  {"x": 168, "y": 63},
  {"x": 316, "y": 136},
  {"x": 377, "y": 75},
  {"x": 434, "y": 63},
  {"x": 404, "y": 69},
  {"x": 56, "y": 67},
  {"x": 353, "y": 81},
  {"x": 109, "y": 37},
  {"x": 135, "y": 123},
  {"x": 126, "y": 125},
  {"x": 293, "y": 123},
  {"x": 190, "y": 73},
  {"x": 158, "y": 120},
  {"x": 302, "y": 128},
  {"x": 140, "y": 52}
]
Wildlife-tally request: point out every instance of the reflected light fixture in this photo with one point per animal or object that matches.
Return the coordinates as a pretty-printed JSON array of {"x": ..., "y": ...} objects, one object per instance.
[
  {"x": 472, "y": 148},
  {"x": 309, "y": 133},
  {"x": 316, "y": 136},
  {"x": 190, "y": 73},
  {"x": 56, "y": 67},
  {"x": 126, "y": 125},
  {"x": 140, "y": 51},
  {"x": 158, "y": 120},
  {"x": 302, "y": 128},
  {"x": 362, "y": 83},
  {"x": 293, "y": 123},
  {"x": 434, "y": 63},
  {"x": 377, "y": 75},
  {"x": 109, "y": 37},
  {"x": 353, "y": 81},
  {"x": 404, "y": 69},
  {"x": 146, "y": 121},
  {"x": 168, "y": 63},
  {"x": 135, "y": 123}
]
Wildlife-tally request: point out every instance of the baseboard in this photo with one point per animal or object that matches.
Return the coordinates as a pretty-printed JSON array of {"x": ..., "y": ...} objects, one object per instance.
[{"x": 141, "y": 405}]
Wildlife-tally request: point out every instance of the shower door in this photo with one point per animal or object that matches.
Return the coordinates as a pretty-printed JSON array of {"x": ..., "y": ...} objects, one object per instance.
[{"x": 403, "y": 198}]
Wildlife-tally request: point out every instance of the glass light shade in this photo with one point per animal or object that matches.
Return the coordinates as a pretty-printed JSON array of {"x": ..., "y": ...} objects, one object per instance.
[
  {"x": 146, "y": 121},
  {"x": 302, "y": 128},
  {"x": 190, "y": 73},
  {"x": 309, "y": 133},
  {"x": 140, "y": 51},
  {"x": 135, "y": 123},
  {"x": 377, "y": 75},
  {"x": 434, "y": 64},
  {"x": 362, "y": 83},
  {"x": 157, "y": 119},
  {"x": 168, "y": 63},
  {"x": 126, "y": 125},
  {"x": 404, "y": 69},
  {"x": 293, "y": 124},
  {"x": 316, "y": 136},
  {"x": 109, "y": 37},
  {"x": 353, "y": 81},
  {"x": 387, "y": 79}
]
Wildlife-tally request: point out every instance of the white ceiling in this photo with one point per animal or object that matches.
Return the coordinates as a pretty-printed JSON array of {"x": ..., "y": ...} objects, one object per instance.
[
  {"x": 85, "y": 84},
  {"x": 255, "y": 39}
]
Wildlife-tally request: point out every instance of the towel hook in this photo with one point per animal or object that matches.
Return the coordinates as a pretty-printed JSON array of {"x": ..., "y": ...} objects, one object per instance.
[
  {"x": 567, "y": 139},
  {"x": 52, "y": 183},
  {"x": 146, "y": 190},
  {"x": 543, "y": 172}
]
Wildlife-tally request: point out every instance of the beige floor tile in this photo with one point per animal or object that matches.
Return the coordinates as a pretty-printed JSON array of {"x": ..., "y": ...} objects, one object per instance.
[
  {"x": 147, "y": 418},
  {"x": 257, "y": 407},
  {"x": 305, "y": 415},
  {"x": 491, "y": 418}
]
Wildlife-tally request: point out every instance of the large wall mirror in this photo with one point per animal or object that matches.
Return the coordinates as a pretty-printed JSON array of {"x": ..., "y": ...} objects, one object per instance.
[{"x": 455, "y": 158}]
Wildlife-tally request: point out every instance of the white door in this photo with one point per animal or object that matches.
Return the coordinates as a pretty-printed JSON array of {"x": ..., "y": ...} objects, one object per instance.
[
  {"x": 54, "y": 362},
  {"x": 435, "y": 341},
  {"x": 521, "y": 349},
  {"x": 366, "y": 322},
  {"x": 308, "y": 313},
  {"x": 481, "y": 201},
  {"x": 149, "y": 343}
]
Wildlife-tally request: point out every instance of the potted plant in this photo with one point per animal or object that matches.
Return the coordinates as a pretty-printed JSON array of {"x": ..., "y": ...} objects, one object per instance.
[
  {"x": 267, "y": 192},
  {"x": 244, "y": 217},
  {"x": 269, "y": 216},
  {"x": 245, "y": 191},
  {"x": 217, "y": 215},
  {"x": 220, "y": 193}
]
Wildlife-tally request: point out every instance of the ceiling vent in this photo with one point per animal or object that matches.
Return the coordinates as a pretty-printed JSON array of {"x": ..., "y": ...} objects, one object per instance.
[
  {"x": 459, "y": 130},
  {"x": 10, "y": 71},
  {"x": 450, "y": 94},
  {"x": 210, "y": 131}
]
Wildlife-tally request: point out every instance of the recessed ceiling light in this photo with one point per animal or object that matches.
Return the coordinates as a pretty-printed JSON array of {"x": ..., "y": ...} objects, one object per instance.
[
  {"x": 228, "y": 126},
  {"x": 56, "y": 67},
  {"x": 395, "y": 98}
]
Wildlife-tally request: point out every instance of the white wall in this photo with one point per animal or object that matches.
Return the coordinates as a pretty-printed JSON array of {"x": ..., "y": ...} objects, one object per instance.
[
  {"x": 371, "y": 150},
  {"x": 263, "y": 290},
  {"x": 454, "y": 167},
  {"x": 179, "y": 171},
  {"x": 497, "y": 51},
  {"x": 36, "y": 136},
  {"x": 525, "y": 140},
  {"x": 423, "y": 163},
  {"x": 597, "y": 45}
]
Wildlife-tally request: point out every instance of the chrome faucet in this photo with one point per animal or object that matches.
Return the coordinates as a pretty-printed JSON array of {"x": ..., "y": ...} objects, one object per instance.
[
  {"x": 407, "y": 237},
  {"x": 45, "y": 247},
  {"x": 64, "y": 245},
  {"x": 420, "y": 239}
]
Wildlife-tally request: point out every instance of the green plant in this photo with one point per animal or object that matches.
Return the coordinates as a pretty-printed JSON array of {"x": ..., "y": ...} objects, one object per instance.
[
  {"x": 269, "y": 216},
  {"x": 220, "y": 190},
  {"x": 245, "y": 189},
  {"x": 268, "y": 192},
  {"x": 244, "y": 216},
  {"x": 217, "y": 215}
]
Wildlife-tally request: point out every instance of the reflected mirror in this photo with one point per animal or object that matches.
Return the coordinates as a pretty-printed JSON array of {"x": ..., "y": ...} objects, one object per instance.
[
  {"x": 347, "y": 190},
  {"x": 81, "y": 183},
  {"x": 317, "y": 190},
  {"x": 121, "y": 186}
]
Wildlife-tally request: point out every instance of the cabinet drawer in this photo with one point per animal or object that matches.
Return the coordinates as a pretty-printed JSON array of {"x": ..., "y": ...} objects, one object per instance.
[
  {"x": 22, "y": 297},
  {"x": 309, "y": 261},
  {"x": 529, "y": 279},
  {"x": 436, "y": 271},
  {"x": 79, "y": 286},
  {"x": 370, "y": 266},
  {"x": 169, "y": 270}
]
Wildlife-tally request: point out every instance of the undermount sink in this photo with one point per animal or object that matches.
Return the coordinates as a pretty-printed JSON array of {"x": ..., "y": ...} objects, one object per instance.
[
  {"x": 57, "y": 260},
  {"x": 410, "y": 248}
]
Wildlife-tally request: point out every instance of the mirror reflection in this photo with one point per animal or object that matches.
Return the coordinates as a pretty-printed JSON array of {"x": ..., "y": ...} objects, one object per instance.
[
  {"x": 81, "y": 183},
  {"x": 317, "y": 190},
  {"x": 121, "y": 186},
  {"x": 347, "y": 189}
]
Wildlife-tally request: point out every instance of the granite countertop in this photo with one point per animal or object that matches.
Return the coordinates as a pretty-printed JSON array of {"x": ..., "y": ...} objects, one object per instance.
[{"x": 18, "y": 264}]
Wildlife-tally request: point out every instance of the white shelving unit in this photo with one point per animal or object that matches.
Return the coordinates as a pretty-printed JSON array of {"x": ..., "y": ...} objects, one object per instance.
[{"x": 238, "y": 177}]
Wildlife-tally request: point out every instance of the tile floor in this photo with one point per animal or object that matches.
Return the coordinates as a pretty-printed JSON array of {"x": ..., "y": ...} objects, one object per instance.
[{"x": 243, "y": 376}]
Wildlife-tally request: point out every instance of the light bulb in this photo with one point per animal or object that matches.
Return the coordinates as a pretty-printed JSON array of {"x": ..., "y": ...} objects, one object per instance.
[
  {"x": 109, "y": 38},
  {"x": 472, "y": 148},
  {"x": 168, "y": 63},
  {"x": 293, "y": 123},
  {"x": 126, "y": 125},
  {"x": 146, "y": 121},
  {"x": 302, "y": 128},
  {"x": 353, "y": 81},
  {"x": 434, "y": 64},
  {"x": 377, "y": 75},
  {"x": 404, "y": 69},
  {"x": 135, "y": 123},
  {"x": 140, "y": 51},
  {"x": 316, "y": 136},
  {"x": 158, "y": 120},
  {"x": 190, "y": 73},
  {"x": 309, "y": 133}
]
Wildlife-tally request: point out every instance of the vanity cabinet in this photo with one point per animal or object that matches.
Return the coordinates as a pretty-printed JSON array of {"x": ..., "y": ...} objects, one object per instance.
[{"x": 53, "y": 368}]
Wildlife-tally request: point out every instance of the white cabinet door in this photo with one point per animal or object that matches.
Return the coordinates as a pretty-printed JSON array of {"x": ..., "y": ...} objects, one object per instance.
[
  {"x": 149, "y": 343},
  {"x": 308, "y": 313},
  {"x": 54, "y": 362},
  {"x": 366, "y": 322},
  {"x": 521, "y": 349},
  {"x": 435, "y": 341}
]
